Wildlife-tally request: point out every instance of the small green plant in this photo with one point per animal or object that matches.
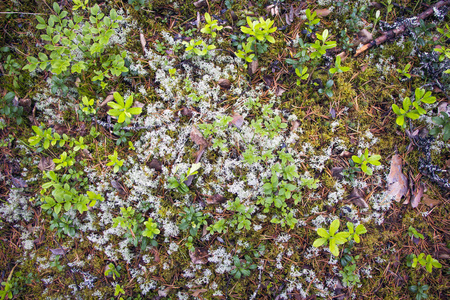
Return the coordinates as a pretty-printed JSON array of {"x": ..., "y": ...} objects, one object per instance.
[
  {"x": 328, "y": 88},
  {"x": 64, "y": 161},
  {"x": 47, "y": 137},
  {"x": 243, "y": 214},
  {"x": 419, "y": 290},
  {"x": 321, "y": 45},
  {"x": 331, "y": 237},
  {"x": 118, "y": 290},
  {"x": 192, "y": 220},
  {"x": 113, "y": 270},
  {"x": 363, "y": 161},
  {"x": 246, "y": 53},
  {"x": 412, "y": 232},
  {"x": 405, "y": 71},
  {"x": 356, "y": 232},
  {"x": 87, "y": 106},
  {"x": 123, "y": 110},
  {"x": 151, "y": 228},
  {"x": 429, "y": 262},
  {"x": 179, "y": 183},
  {"x": 312, "y": 20},
  {"x": 349, "y": 275},
  {"x": 192, "y": 46},
  {"x": 242, "y": 267},
  {"x": 443, "y": 126},
  {"x": 259, "y": 30},
  {"x": 10, "y": 108},
  {"x": 115, "y": 161},
  {"x": 407, "y": 112},
  {"x": 302, "y": 74},
  {"x": 211, "y": 26},
  {"x": 338, "y": 68},
  {"x": 219, "y": 226}
]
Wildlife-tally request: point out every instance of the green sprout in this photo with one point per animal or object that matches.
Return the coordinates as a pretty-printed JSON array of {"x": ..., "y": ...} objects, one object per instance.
[
  {"x": 123, "y": 110},
  {"x": 332, "y": 237},
  {"x": 364, "y": 159}
]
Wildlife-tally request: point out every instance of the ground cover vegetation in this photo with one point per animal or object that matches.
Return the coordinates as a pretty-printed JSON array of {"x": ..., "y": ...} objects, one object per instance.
[{"x": 224, "y": 149}]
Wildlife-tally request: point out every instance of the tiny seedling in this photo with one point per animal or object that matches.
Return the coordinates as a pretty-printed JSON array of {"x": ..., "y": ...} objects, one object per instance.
[
  {"x": 407, "y": 111},
  {"x": 356, "y": 232},
  {"x": 151, "y": 229},
  {"x": 242, "y": 268},
  {"x": 123, "y": 110},
  {"x": 443, "y": 126},
  {"x": 113, "y": 270},
  {"x": 312, "y": 20},
  {"x": 302, "y": 74},
  {"x": 179, "y": 183},
  {"x": 419, "y": 290},
  {"x": 332, "y": 237},
  {"x": 405, "y": 71},
  {"x": 211, "y": 26},
  {"x": 429, "y": 262},
  {"x": 364, "y": 160},
  {"x": 319, "y": 48},
  {"x": 338, "y": 68},
  {"x": 115, "y": 161},
  {"x": 412, "y": 232}
]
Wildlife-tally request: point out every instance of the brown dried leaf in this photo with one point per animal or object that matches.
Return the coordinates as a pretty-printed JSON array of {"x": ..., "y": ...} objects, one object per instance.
[
  {"x": 119, "y": 188},
  {"x": 418, "y": 193},
  {"x": 143, "y": 41},
  {"x": 397, "y": 182},
  {"x": 336, "y": 172},
  {"x": 237, "y": 121},
  {"x": 295, "y": 125},
  {"x": 357, "y": 197},
  {"x": 46, "y": 164},
  {"x": 165, "y": 292},
  {"x": 225, "y": 84},
  {"x": 59, "y": 251},
  {"x": 197, "y": 293},
  {"x": 199, "y": 256},
  {"x": 108, "y": 98},
  {"x": 197, "y": 137},
  {"x": 323, "y": 12},
  {"x": 186, "y": 112},
  {"x": 430, "y": 201},
  {"x": 279, "y": 91},
  {"x": 364, "y": 36},
  {"x": 155, "y": 165},
  {"x": 19, "y": 182},
  {"x": 253, "y": 67},
  {"x": 216, "y": 199},
  {"x": 200, "y": 3}
]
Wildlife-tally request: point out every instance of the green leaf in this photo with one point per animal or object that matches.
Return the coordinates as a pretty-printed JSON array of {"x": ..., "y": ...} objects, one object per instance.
[
  {"x": 333, "y": 248},
  {"x": 341, "y": 237},
  {"x": 400, "y": 120},
  {"x": 56, "y": 8},
  {"x": 319, "y": 242},
  {"x": 334, "y": 226},
  {"x": 323, "y": 233},
  {"x": 135, "y": 110}
]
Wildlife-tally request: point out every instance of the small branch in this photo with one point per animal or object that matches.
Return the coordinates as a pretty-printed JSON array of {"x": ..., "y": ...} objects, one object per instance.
[{"x": 391, "y": 34}]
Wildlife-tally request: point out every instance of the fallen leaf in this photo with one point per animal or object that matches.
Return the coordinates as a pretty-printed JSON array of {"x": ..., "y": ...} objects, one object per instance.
[
  {"x": 59, "y": 251},
  {"x": 295, "y": 125},
  {"x": 430, "y": 201},
  {"x": 346, "y": 154},
  {"x": 442, "y": 252},
  {"x": 442, "y": 107},
  {"x": 418, "y": 193},
  {"x": 197, "y": 137},
  {"x": 19, "y": 182},
  {"x": 279, "y": 91},
  {"x": 186, "y": 112},
  {"x": 165, "y": 292},
  {"x": 364, "y": 36},
  {"x": 143, "y": 41},
  {"x": 216, "y": 199},
  {"x": 397, "y": 182},
  {"x": 225, "y": 84},
  {"x": 237, "y": 121},
  {"x": 108, "y": 98},
  {"x": 121, "y": 190},
  {"x": 253, "y": 67},
  {"x": 336, "y": 172},
  {"x": 200, "y": 3},
  {"x": 155, "y": 165},
  {"x": 357, "y": 197},
  {"x": 322, "y": 12},
  {"x": 197, "y": 293},
  {"x": 199, "y": 256}
]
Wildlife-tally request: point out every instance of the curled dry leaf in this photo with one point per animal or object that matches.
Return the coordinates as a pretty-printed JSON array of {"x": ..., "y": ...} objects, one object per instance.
[
  {"x": 199, "y": 256},
  {"x": 364, "y": 36},
  {"x": 336, "y": 172},
  {"x": 216, "y": 199},
  {"x": 237, "y": 121},
  {"x": 108, "y": 98},
  {"x": 59, "y": 251},
  {"x": 155, "y": 165},
  {"x": 143, "y": 41},
  {"x": 46, "y": 164},
  {"x": 418, "y": 193},
  {"x": 225, "y": 84},
  {"x": 295, "y": 125},
  {"x": 197, "y": 293},
  {"x": 397, "y": 182},
  {"x": 197, "y": 137},
  {"x": 253, "y": 67},
  {"x": 186, "y": 112},
  {"x": 279, "y": 91},
  {"x": 121, "y": 190},
  {"x": 430, "y": 201},
  {"x": 200, "y": 3},
  {"x": 322, "y": 12},
  {"x": 357, "y": 197},
  {"x": 19, "y": 182}
]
